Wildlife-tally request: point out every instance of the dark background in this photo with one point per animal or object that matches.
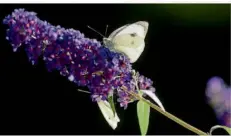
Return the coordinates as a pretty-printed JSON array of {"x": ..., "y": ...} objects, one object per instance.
[{"x": 185, "y": 46}]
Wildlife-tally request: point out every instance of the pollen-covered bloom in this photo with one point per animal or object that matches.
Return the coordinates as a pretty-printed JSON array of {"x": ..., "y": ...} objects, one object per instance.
[
  {"x": 219, "y": 95},
  {"x": 82, "y": 60}
]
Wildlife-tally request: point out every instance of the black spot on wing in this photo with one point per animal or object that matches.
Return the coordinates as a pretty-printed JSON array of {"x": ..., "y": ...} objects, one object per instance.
[{"x": 133, "y": 34}]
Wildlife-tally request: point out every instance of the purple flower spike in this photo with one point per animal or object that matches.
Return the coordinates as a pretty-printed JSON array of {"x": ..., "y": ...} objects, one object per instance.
[
  {"x": 82, "y": 60},
  {"x": 219, "y": 95}
]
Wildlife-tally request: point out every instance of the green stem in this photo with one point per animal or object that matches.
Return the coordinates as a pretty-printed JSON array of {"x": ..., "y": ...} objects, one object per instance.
[{"x": 170, "y": 116}]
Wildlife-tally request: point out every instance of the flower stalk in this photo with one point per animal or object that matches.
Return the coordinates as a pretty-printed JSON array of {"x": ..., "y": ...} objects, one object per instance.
[{"x": 169, "y": 115}]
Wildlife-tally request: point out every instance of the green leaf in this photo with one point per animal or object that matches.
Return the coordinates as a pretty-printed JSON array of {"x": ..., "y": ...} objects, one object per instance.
[
  {"x": 143, "y": 112},
  {"x": 219, "y": 126},
  {"x": 111, "y": 101}
]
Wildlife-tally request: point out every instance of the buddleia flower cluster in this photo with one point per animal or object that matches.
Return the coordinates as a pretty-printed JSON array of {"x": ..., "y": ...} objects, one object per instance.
[
  {"x": 84, "y": 61},
  {"x": 219, "y": 97}
]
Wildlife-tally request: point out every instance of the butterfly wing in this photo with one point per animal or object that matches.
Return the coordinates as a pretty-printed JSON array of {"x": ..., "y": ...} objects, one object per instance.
[
  {"x": 129, "y": 39},
  {"x": 140, "y": 28},
  {"x": 132, "y": 47},
  {"x": 108, "y": 113},
  {"x": 114, "y": 33}
]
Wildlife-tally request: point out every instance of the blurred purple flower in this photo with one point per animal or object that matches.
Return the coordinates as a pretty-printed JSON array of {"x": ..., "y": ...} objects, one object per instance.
[
  {"x": 82, "y": 60},
  {"x": 219, "y": 95}
]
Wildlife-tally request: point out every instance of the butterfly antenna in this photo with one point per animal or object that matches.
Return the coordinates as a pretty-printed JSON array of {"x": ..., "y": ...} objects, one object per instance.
[
  {"x": 106, "y": 30},
  {"x": 80, "y": 90},
  {"x": 95, "y": 31}
]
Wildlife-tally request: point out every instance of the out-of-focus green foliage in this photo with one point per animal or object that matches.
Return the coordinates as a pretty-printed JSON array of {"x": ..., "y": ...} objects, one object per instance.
[{"x": 183, "y": 14}]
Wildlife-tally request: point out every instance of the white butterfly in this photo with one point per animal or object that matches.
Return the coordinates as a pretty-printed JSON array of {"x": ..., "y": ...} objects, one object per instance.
[
  {"x": 110, "y": 116},
  {"x": 106, "y": 109},
  {"x": 128, "y": 39}
]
